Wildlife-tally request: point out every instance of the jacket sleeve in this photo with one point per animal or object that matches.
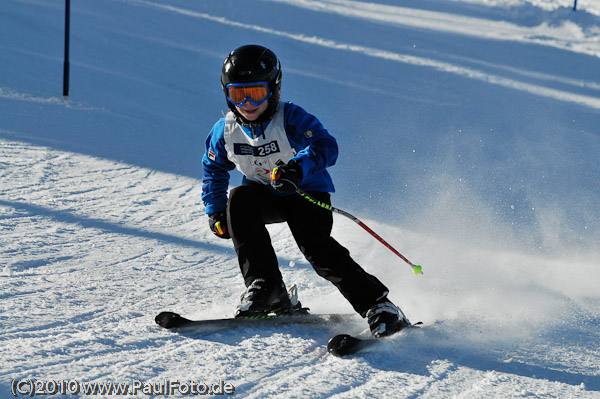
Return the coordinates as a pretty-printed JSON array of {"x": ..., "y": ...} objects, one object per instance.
[
  {"x": 317, "y": 149},
  {"x": 216, "y": 167}
]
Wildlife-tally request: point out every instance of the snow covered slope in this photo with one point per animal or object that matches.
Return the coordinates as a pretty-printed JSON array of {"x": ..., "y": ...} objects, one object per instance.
[{"x": 469, "y": 134}]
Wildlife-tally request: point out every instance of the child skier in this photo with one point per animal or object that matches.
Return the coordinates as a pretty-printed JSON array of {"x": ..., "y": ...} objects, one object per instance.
[{"x": 279, "y": 147}]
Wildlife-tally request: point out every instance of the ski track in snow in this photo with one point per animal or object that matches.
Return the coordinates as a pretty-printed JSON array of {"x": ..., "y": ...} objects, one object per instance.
[
  {"x": 459, "y": 24},
  {"x": 93, "y": 248},
  {"x": 416, "y": 18}
]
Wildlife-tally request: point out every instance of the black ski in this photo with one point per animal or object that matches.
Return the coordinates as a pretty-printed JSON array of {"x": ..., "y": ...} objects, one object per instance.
[
  {"x": 343, "y": 345},
  {"x": 171, "y": 320}
]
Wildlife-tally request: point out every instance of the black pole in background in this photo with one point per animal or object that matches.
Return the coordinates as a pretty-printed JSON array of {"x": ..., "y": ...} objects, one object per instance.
[
  {"x": 575, "y": 6},
  {"x": 66, "y": 62}
]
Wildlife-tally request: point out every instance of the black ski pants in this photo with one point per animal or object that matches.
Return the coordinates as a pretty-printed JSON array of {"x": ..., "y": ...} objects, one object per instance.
[{"x": 252, "y": 206}]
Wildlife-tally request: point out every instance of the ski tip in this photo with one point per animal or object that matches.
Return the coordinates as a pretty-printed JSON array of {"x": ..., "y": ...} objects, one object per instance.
[
  {"x": 345, "y": 345},
  {"x": 168, "y": 319},
  {"x": 337, "y": 345}
]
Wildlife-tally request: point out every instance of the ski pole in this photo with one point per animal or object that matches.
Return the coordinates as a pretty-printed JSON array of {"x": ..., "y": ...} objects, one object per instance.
[{"x": 416, "y": 268}]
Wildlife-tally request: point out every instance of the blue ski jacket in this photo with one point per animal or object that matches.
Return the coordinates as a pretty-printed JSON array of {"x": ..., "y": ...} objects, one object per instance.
[{"x": 227, "y": 147}]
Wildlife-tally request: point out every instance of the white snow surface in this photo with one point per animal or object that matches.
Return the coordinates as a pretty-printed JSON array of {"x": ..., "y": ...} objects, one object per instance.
[{"x": 469, "y": 134}]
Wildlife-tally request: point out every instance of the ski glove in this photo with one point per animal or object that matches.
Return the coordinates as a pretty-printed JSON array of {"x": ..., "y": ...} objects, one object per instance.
[
  {"x": 218, "y": 224},
  {"x": 286, "y": 178}
]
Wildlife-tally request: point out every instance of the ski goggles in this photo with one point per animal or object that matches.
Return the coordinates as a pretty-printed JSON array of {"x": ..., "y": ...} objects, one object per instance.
[{"x": 256, "y": 92}]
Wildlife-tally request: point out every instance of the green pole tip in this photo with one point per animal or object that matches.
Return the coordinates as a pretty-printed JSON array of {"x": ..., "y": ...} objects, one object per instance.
[{"x": 417, "y": 269}]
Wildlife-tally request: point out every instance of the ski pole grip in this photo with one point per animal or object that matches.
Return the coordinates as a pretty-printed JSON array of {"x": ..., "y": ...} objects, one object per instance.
[
  {"x": 275, "y": 174},
  {"x": 219, "y": 228}
]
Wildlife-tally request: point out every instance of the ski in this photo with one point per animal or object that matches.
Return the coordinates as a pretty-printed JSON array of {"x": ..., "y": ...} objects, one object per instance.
[
  {"x": 174, "y": 321},
  {"x": 343, "y": 345}
]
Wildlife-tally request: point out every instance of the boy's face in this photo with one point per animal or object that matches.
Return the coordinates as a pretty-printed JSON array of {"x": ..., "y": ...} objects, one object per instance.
[{"x": 251, "y": 112}]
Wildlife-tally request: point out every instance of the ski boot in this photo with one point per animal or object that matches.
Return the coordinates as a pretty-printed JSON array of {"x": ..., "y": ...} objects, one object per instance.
[
  {"x": 385, "y": 319},
  {"x": 263, "y": 297}
]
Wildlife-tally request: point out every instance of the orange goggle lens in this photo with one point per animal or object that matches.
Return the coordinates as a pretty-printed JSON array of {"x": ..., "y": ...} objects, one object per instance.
[{"x": 257, "y": 93}]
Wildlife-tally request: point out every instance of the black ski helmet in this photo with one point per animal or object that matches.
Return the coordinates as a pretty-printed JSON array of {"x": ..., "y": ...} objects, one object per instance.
[{"x": 253, "y": 63}]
